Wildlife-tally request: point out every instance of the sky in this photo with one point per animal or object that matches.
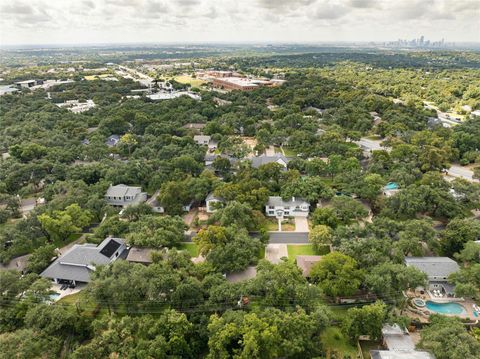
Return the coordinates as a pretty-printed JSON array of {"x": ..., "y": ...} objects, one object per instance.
[{"x": 197, "y": 21}]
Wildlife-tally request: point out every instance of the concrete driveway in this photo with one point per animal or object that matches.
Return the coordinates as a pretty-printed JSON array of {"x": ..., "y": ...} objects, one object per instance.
[
  {"x": 301, "y": 224},
  {"x": 275, "y": 252}
]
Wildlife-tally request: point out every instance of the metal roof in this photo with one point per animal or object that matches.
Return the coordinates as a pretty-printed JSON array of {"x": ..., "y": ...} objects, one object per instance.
[
  {"x": 263, "y": 160},
  {"x": 277, "y": 201}
]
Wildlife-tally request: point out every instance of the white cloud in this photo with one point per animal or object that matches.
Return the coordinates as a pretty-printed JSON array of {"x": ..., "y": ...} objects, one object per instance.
[{"x": 44, "y": 21}]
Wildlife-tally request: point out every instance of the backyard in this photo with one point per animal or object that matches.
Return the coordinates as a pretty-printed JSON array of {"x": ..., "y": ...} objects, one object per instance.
[{"x": 295, "y": 250}]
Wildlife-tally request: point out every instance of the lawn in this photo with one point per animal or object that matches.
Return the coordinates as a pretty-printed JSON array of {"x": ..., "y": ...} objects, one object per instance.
[
  {"x": 289, "y": 153},
  {"x": 271, "y": 224},
  {"x": 191, "y": 248},
  {"x": 186, "y": 79},
  {"x": 261, "y": 253},
  {"x": 337, "y": 344},
  {"x": 295, "y": 250}
]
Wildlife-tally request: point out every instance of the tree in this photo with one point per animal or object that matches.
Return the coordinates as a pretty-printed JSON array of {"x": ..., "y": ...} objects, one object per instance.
[
  {"x": 447, "y": 338},
  {"x": 348, "y": 209},
  {"x": 128, "y": 140},
  {"x": 325, "y": 216},
  {"x": 237, "y": 214},
  {"x": 470, "y": 253},
  {"x": 40, "y": 258},
  {"x": 60, "y": 224},
  {"x": 467, "y": 281},
  {"x": 337, "y": 275},
  {"x": 311, "y": 189},
  {"x": 367, "y": 320},
  {"x": 320, "y": 236},
  {"x": 27, "y": 343},
  {"x": 389, "y": 279},
  {"x": 164, "y": 337},
  {"x": 457, "y": 233},
  {"x": 156, "y": 232},
  {"x": 267, "y": 334},
  {"x": 53, "y": 320}
]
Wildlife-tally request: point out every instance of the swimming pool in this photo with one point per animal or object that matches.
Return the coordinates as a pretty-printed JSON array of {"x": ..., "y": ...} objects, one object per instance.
[
  {"x": 391, "y": 185},
  {"x": 446, "y": 308},
  {"x": 54, "y": 297}
]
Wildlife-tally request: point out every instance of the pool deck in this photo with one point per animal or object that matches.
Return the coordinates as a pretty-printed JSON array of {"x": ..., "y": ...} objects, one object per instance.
[
  {"x": 63, "y": 293},
  {"x": 465, "y": 303}
]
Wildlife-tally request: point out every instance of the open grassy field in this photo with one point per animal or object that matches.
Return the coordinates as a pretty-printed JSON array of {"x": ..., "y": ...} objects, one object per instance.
[
  {"x": 191, "y": 248},
  {"x": 186, "y": 79}
]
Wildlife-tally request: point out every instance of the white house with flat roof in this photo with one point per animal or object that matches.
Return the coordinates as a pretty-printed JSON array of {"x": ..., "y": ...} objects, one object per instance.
[
  {"x": 437, "y": 269},
  {"x": 123, "y": 196},
  {"x": 202, "y": 140},
  {"x": 294, "y": 207}
]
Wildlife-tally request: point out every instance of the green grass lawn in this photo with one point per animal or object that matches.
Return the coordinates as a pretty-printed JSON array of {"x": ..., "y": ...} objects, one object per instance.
[
  {"x": 289, "y": 152},
  {"x": 336, "y": 343},
  {"x": 261, "y": 253},
  {"x": 191, "y": 248},
  {"x": 185, "y": 79},
  {"x": 295, "y": 250},
  {"x": 271, "y": 224}
]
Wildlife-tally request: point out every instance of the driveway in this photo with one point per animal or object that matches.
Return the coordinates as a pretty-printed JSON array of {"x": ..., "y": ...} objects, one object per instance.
[
  {"x": 301, "y": 224},
  {"x": 274, "y": 252}
]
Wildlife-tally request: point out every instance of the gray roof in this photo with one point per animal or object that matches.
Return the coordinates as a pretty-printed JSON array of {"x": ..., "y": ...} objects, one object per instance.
[
  {"x": 201, "y": 138},
  {"x": 433, "y": 266},
  {"x": 411, "y": 354},
  {"x": 277, "y": 201},
  {"x": 396, "y": 338},
  {"x": 80, "y": 260},
  {"x": 263, "y": 159},
  {"x": 197, "y": 126},
  {"x": 121, "y": 190},
  {"x": 212, "y": 197}
]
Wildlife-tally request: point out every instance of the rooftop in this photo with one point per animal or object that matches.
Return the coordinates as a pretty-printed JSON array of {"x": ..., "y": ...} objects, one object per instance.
[
  {"x": 263, "y": 159},
  {"x": 121, "y": 190},
  {"x": 412, "y": 354},
  {"x": 396, "y": 338},
  {"x": 433, "y": 266},
  {"x": 80, "y": 260},
  {"x": 277, "y": 201},
  {"x": 305, "y": 263},
  {"x": 140, "y": 255}
]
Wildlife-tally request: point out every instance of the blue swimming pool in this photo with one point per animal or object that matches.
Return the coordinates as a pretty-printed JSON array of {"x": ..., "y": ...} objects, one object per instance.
[
  {"x": 446, "y": 308},
  {"x": 391, "y": 185},
  {"x": 54, "y": 297}
]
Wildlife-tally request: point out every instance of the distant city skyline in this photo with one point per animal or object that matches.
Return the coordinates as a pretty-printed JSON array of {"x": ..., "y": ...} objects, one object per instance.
[{"x": 194, "y": 21}]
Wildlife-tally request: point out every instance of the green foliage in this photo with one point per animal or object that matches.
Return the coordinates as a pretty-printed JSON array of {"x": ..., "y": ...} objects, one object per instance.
[
  {"x": 60, "y": 224},
  {"x": 337, "y": 275},
  {"x": 367, "y": 320},
  {"x": 156, "y": 232},
  {"x": 447, "y": 338}
]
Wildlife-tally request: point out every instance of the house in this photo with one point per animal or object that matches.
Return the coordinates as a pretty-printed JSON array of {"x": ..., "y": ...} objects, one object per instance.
[
  {"x": 195, "y": 127},
  {"x": 263, "y": 160},
  {"x": 158, "y": 208},
  {"x": 140, "y": 255},
  {"x": 305, "y": 263},
  {"x": 112, "y": 141},
  {"x": 399, "y": 344},
  {"x": 202, "y": 140},
  {"x": 123, "y": 196},
  {"x": 210, "y": 158},
  {"x": 438, "y": 269},
  {"x": 77, "y": 264},
  {"x": 9, "y": 89},
  {"x": 27, "y": 83},
  {"x": 211, "y": 202},
  {"x": 294, "y": 207}
]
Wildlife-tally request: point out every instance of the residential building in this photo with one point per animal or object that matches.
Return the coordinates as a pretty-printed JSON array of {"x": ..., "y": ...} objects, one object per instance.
[
  {"x": 112, "y": 141},
  {"x": 28, "y": 83},
  {"x": 158, "y": 208},
  {"x": 76, "y": 106},
  {"x": 196, "y": 127},
  {"x": 438, "y": 269},
  {"x": 202, "y": 140},
  {"x": 4, "y": 90},
  {"x": 77, "y": 264},
  {"x": 212, "y": 202},
  {"x": 140, "y": 255},
  {"x": 305, "y": 263},
  {"x": 293, "y": 207},
  {"x": 123, "y": 196},
  {"x": 264, "y": 159},
  {"x": 399, "y": 344}
]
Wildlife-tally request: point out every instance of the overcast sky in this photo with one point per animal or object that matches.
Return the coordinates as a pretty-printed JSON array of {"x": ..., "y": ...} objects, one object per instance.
[{"x": 105, "y": 21}]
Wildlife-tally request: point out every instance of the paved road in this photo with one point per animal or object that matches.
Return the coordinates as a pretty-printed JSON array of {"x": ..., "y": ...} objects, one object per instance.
[
  {"x": 459, "y": 171},
  {"x": 288, "y": 237}
]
